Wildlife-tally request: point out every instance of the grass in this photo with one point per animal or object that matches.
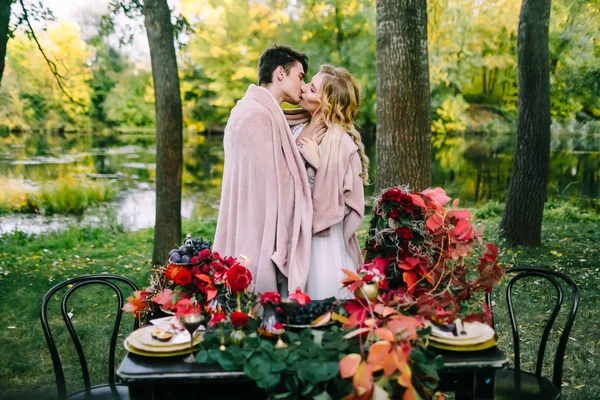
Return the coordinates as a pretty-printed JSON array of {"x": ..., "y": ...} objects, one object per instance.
[
  {"x": 66, "y": 196},
  {"x": 30, "y": 265}
]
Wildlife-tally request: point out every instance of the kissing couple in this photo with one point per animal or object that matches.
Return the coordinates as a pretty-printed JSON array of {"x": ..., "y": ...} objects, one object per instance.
[{"x": 292, "y": 195}]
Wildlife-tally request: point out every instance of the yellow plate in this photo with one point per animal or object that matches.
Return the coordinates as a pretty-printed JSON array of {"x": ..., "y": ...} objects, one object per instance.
[
  {"x": 471, "y": 347},
  {"x": 160, "y": 347},
  {"x": 133, "y": 350}
]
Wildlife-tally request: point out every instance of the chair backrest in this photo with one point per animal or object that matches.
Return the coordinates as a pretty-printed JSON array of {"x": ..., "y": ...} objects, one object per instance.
[
  {"x": 73, "y": 285},
  {"x": 559, "y": 285}
]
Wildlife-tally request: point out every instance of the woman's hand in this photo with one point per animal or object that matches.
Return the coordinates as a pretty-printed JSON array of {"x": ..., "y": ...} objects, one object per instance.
[{"x": 309, "y": 149}]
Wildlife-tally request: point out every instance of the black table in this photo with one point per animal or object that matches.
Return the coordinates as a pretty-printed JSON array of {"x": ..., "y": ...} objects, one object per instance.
[{"x": 469, "y": 374}]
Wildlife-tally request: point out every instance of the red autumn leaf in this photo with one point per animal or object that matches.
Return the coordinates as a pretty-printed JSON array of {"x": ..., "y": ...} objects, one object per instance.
[
  {"x": 455, "y": 203},
  {"x": 384, "y": 311},
  {"x": 437, "y": 195},
  {"x": 349, "y": 364},
  {"x": 136, "y": 303},
  {"x": 434, "y": 222},
  {"x": 418, "y": 201},
  {"x": 164, "y": 298},
  {"x": 410, "y": 278},
  {"x": 352, "y": 281}
]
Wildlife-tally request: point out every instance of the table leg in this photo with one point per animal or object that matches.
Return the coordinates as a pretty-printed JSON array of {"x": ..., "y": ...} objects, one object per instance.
[{"x": 484, "y": 385}]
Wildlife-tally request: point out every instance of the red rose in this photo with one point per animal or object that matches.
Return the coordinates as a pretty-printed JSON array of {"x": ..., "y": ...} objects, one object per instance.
[
  {"x": 204, "y": 254},
  {"x": 270, "y": 297},
  {"x": 238, "y": 319},
  {"x": 404, "y": 232},
  {"x": 171, "y": 271},
  {"x": 238, "y": 278},
  {"x": 393, "y": 213},
  {"x": 183, "y": 277}
]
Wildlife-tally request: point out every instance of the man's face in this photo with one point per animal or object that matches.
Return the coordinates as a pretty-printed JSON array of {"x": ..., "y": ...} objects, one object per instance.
[{"x": 291, "y": 85}]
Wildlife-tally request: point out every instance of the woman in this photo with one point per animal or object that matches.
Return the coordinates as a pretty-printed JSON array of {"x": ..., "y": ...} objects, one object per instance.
[{"x": 337, "y": 170}]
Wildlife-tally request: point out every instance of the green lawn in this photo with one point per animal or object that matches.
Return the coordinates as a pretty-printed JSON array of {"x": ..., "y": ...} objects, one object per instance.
[{"x": 30, "y": 265}]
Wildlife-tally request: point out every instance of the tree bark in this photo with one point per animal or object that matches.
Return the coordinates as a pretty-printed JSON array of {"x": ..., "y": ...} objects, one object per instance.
[
  {"x": 522, "y": 220},
  {"x": 403, "y": 97},
  {"x": 169, "y": 127},
  {"x": 4, "y": 31}
]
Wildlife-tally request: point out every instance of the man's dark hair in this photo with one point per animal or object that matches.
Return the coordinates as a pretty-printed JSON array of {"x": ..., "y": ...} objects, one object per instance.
[{"x": 276, "y": 56}]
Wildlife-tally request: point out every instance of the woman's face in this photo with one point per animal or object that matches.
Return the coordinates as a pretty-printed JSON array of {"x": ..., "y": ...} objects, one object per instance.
[{"x": 309, "y": 99}]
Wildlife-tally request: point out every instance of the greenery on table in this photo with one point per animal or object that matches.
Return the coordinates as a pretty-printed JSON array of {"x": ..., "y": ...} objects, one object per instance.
[{"x": 307, "y": 368}]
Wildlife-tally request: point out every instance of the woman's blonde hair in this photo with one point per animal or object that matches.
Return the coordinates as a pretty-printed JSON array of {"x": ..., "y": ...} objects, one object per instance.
[{"x": 340, "y": 100}]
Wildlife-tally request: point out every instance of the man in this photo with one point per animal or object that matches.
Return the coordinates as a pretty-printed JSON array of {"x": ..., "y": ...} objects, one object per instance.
[{"x": 266, "y": 211}]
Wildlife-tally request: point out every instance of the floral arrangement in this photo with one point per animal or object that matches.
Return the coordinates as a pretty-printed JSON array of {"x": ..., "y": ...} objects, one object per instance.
[
  {"x": 208, "y": 283},
  {"x": 433, "y": 257}
]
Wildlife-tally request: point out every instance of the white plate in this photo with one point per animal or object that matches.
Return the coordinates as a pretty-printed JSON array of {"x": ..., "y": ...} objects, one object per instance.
[
  {"x": 472, "y": 329},
  {"x": 485, "y": 333}
]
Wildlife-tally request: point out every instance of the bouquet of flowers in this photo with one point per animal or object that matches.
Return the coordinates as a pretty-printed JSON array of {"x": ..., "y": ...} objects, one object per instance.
[
  {"x": 433, "y": 257},
  {"x": 206, "y": 283}
]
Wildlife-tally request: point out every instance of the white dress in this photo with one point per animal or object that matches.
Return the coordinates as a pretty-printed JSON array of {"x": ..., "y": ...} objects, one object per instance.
[{"x": 328, "y": 256}]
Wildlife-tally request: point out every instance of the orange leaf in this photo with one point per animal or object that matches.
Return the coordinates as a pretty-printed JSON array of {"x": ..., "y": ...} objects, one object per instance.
[
  {"x": 385, "y": 334},
  {"x": 378, "y": 353},
  {"x": 384, "y": 311},
  {"x": 389, "y": 365},
  {"x": 352, "y": 281},
  {"x": 406, "y": 324},
  {"x": 363, "y": 379},
  {"x": 418, "y": 201},
  {"x": 401, "y": 359},
  {"x": 434, "y": 222},
  {"x": 410, "y": 278},
  {"x": 349, "y": 365}
]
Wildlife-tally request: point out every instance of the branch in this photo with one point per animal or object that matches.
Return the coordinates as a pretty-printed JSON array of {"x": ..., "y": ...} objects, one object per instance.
[{"x": 59, "y": 78}]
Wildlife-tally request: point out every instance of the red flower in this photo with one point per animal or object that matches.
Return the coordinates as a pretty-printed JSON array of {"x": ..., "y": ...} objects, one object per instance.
[
  {"x": 300, "y": 297},
  {"x": 238, "y": 319},
  {"x": 404, "y": 232},
  {"x": 270, "y": 297},
  {"x": 238, "y": 278},
  {"x": 183, "y": 277},
  {"x": 204, "y": 254},
  {"x": 216, "y": 319},
  {"x": 172, "y": 270}
]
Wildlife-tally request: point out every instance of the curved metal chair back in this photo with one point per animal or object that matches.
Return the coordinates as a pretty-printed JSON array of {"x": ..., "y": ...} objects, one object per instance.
[
  {"x": 523, "y": 272},
  {"x": 77, "y": 283}
]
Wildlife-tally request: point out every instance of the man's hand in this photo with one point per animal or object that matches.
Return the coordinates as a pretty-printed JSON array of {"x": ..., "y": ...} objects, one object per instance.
[{"x": 309, "y": 149}]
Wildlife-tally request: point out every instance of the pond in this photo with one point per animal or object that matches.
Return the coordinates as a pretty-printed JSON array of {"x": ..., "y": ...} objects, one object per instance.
[{"x": 468, "y": 170}]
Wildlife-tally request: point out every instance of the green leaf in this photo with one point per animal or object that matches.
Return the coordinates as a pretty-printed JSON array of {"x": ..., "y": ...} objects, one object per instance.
[
  {"x": 291, "y": 383},
  {"x": 202, "y": 356},
  {"x": 322, "y": 396},
  {"x": 278, "y": 366},
  {"x": 307, "y": 389},
  {"x": 282, "y": 395}
]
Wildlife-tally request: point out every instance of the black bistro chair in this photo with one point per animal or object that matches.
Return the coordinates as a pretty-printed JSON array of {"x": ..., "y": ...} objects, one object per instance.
[
  {"x": 515, "y": 384},
  {"x": 105, "y": 391}
]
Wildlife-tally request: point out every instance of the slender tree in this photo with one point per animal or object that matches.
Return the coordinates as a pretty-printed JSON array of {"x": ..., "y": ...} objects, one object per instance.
[
  {"x": 522, "y": 220},
  {"x": 403, "y": 98},
  {"x": 169, "y": 127},
  {"x": 4, "y": 32}
]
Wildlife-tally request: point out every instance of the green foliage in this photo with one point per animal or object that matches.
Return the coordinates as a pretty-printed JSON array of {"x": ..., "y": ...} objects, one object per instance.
[
  {"x": 131, "y": 100},
  {"x": 309, "y": 366}
]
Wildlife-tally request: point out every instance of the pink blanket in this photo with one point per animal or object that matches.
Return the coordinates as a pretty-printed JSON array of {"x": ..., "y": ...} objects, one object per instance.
[{"x": 265, "y": 211}]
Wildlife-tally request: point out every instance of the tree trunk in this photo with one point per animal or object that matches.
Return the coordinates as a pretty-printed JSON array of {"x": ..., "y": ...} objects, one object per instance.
[
  {"x": 4, "y": 27},
  {"x": 403, "y": 98},
  {"x": 522, "y": 220},
  {"x": 169, "y": 126}
]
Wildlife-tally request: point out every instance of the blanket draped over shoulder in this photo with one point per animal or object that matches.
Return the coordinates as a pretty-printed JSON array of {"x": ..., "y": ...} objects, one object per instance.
[{"x": 265, "y": 212}]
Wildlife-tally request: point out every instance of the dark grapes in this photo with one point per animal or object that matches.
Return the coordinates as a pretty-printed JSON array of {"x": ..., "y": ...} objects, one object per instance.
[{"x": 306, "y": 314}]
